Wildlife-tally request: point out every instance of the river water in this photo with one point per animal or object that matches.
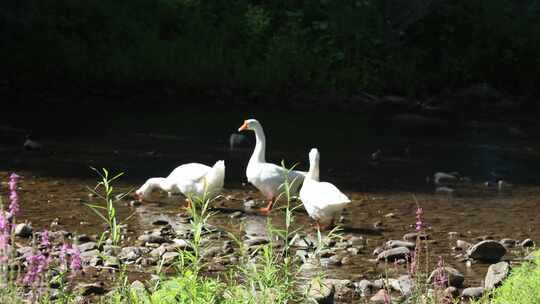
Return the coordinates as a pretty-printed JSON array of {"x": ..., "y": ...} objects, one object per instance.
[{"x": 387, "y": 190}]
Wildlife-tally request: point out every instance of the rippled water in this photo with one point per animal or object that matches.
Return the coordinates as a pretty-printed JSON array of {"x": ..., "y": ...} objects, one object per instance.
[{"x": 56, "y": 178}]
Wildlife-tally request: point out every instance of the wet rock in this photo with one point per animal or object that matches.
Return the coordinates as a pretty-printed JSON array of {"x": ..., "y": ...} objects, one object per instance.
[
  {"x": 160, "y": 223},
  {"x": 397, "y": 243},
  {"x": 381, "y": 297},
  {"x": 170, "y": 257},
  {"x": 377, "y": 251},
  {"x": 490, "y": 251},
  {"x": 335, "y": 260},
  {"x": 364, "y": 287},
  {"x": 256, "y": 240},
  {"x": 156, "y": 253},
  {"x": 90, "y": 258},
  {"x": 508, "y": 243},
  {"x": 378, "y": 225},
  {"x": 87, "y": 246},
  {"x": 212, "y": 251},
  {"x": 412, "y": 236},
  {"x": 132, "y": 253},
  {"x": 152, "y": 238},
  {"x": 236, "y": 214},
  {"x": 443, "y": 178},
  {"x": 453, "y": 234},
  {"x": 111, "y": 262},
  {"x": 134, "y": 203},
  {"x": 138, "y": 285},
  {"x": 83, "y": 238},
  {"x": 23, "y": 230},
  {"x": 344, "y": 288},
  {"x": 451, "y": 291},
  {"x": 112, "y": 250},
  {"x": 353, "y": 251},
  {"x": 394, "y": 254},
  {"x": 32, "y": 145},
  {"x": 88, "y": 289},
  {"x": 444, "y": 190},
  {"x": 357, "y": 241},
  {"x": 178, "y": 244},
  {"x": 463, "y": 245},
  {"x": 496, "y": 274},
  {"x": 250, "y": 204},
  {"x": 454, "y": 277},
  {"x": 527, "y": 243},
  {"x": 403, "y": 284},
  {"x": 321, "y": 292},
  {"x": 346, "y": 260},
  {"x": 472, "y": 292},
  {"x": 341, "y": 245}
]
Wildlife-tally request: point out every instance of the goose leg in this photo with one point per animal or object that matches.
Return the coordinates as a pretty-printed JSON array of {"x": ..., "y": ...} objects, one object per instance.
[{"x": 268, "y": 207}]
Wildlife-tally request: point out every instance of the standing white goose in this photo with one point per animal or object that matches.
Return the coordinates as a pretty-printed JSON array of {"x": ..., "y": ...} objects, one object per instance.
[
  {"x": 191, "y": 179},
  {"x": 323, "y": 201},
  {"x": 266, "y": 177}
]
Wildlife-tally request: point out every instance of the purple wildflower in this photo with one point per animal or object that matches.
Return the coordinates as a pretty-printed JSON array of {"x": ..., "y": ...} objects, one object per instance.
[
  {"x": 440, "y": 277},
  {"x": 36, "y": 265},
  {"x": 14, "y": 207},
  {"x": 75, "y": 264},
  {"x": 419, "y": 222},
  {"x": 4, "y": 230},
  {"x": 64, "y": 253},
  {"x": 45, "y": 238}
]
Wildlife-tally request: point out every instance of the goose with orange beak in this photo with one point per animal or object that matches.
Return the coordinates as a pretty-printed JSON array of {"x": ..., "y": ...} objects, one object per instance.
[{"x": 266, "y": 177}]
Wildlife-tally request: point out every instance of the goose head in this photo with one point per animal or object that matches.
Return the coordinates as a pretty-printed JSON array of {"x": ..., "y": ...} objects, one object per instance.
[
  {"x": 250, "y": 124},
  {"x": 314, "y": 156}
]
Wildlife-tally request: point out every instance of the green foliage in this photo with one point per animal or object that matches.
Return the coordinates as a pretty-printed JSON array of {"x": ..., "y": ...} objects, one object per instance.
[
  {"x": 107, "y": 213},
  {"x": 522, "y": 286},
  {"x": 273, "y": 46}
]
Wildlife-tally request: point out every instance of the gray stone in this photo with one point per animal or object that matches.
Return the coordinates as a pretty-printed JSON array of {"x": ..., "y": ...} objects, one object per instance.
[
  {"x": 394, "y": 254},
  {"x": 398, "y": 243},
  {"x": 527, "y": 243},
  {"x": 90, "y": 258},
  {"x": 170, "y": 257},
  {"x": 364, "y": 287},
  {"x": 412, "y": 236},
  {"x": 23, "y": 230},
  {"x": 321, "y": 292},
  {"x": 381, "y": 297},
  {"x": 473, "y": 292},
  {"x": 451, "y": 291},
  {"x": 256, "y": 240},
  {"x": 453, "y": 276},
  {"x": 138, "y": 285},
  {"x": 156, "y": 253},
  {"x": 508, "y": 243},
  {"x": 443, "y": 178},
  {"x": 357, "y": 241},
  {"x": 403, "y": 284},
  {"x": 444, "y": 190},
  {"x": 463, "y": 245},
  {"x": 353, "y": 251},
  {"x": 87, "y": 289},
  {"x": 496, "y": 274},
  {"x": 87, "y": 246},
  {"x": 111, "y": 262},
  {"x": 132, "y": 253},
  {"x": 377, "y": 251},
  {"x": 490, "y": 251},
  {"x": 152, "y": 238}
]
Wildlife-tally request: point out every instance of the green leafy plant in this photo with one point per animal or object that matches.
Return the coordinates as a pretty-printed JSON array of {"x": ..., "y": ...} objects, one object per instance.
[{"x": 108, "y": 212}]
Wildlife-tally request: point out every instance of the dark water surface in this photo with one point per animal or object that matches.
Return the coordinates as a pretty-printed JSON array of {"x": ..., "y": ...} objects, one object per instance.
[{"x": 151, "y": 144}]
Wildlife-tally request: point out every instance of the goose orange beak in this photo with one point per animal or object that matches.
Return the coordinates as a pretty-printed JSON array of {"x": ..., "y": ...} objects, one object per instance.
[{"x": 243, "y": 127}]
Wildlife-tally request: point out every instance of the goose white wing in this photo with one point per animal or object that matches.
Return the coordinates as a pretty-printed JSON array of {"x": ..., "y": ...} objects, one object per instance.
[
  {"x": 192, "y": 172},
  {"x": 322, "y": 194}
]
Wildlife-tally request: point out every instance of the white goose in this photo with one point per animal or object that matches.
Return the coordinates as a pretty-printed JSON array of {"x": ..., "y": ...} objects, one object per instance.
[
  {"x": 191, "y": 179},
  {"x": 266, "y": 177},
  {"x": 323, "y": 201}
]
